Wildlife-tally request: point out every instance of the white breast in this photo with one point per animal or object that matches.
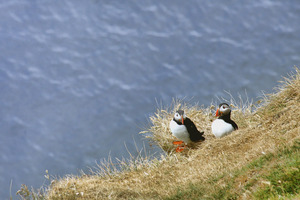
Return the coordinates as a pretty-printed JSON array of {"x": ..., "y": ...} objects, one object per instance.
[
  {"x": 180, "y": 132},
  {"x": 220, "y": 128}
]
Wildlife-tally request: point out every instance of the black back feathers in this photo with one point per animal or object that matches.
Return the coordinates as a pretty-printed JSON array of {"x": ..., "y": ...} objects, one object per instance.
[{"x": 195, "y": 135}]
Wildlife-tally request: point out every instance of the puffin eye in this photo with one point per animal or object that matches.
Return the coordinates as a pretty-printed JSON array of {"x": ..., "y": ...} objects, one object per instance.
[{"x": 223, "y": 107}]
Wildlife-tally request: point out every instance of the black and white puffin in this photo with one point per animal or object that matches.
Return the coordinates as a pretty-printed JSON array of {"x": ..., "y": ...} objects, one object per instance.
[
  {"x": 184, "y": 129},
  {"x": 223, "y": 125}
]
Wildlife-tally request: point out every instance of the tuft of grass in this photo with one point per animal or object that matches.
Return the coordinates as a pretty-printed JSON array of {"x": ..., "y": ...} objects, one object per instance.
[
  {"x": 31, "y": 194},
  {"x": 110, "y": 168},
  {"x": 35, "y": 194}
]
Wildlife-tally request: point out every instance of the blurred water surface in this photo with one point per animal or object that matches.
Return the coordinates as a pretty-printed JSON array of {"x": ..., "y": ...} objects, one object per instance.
[{"x": 80, "y": 78}]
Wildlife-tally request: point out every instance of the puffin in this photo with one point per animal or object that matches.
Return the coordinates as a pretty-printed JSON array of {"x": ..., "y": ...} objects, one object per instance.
[
  {"x": 223, "y": 125},
  {"x": 185, "y": 130}
]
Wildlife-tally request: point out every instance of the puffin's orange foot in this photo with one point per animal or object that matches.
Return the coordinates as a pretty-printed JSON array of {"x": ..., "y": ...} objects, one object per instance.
[
  {"x": 180, "y": 149},
  {"x": 177, "y": 142}
]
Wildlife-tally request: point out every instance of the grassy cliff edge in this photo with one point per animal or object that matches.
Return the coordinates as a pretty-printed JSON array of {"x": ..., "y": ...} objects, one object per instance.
[{"x": 259, "y": 161}]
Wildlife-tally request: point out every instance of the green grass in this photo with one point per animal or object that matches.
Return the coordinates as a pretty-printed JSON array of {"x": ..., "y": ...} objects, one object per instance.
[
  {"x": 284, "y": 176},
  {"x": 269, "y": 177}
]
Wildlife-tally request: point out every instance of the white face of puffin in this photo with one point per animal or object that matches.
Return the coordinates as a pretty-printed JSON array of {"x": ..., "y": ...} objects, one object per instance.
[
  {"x": 224, "y": 109},
  {"x": 179, "y": 116}
]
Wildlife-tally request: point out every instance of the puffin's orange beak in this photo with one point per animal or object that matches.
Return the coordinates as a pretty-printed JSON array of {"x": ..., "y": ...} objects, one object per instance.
[
  {"x": 217, "y": 113},
  {"x": 182, "y": 120}
]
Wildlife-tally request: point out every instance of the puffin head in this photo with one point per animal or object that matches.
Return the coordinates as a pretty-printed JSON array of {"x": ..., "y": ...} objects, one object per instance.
[
  {"x": 223, "y": 109},
  {"x": 179, "y": 116}
]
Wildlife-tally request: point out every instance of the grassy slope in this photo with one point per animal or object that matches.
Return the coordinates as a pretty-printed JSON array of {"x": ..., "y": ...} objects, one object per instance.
[
  {"x": 270, "y": 176},
  {"x": 260, "y": 160}
]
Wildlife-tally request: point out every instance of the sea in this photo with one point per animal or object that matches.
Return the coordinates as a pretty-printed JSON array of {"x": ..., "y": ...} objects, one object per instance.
[{"x": 80, "y": 79}]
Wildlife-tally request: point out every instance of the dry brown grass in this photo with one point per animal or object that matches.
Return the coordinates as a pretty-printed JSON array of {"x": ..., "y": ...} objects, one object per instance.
[{"x": 273, "y": 125}]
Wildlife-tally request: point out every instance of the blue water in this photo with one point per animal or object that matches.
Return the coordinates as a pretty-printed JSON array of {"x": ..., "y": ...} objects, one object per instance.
[{"x": 80, "y": 78}]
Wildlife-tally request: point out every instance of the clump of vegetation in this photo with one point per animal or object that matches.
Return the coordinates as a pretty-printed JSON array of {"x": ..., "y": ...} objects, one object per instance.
[
  {"x": 258, "y": 161},
  {"x": 27, "y": 194}
]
